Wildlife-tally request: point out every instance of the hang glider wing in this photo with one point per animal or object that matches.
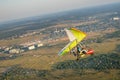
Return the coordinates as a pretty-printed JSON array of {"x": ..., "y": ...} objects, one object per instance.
[
  {"x": 68, "y": 47},
  {"x": 75, "y": 36},
  {"x": 79, "y": 35},
  {"x": 70, "y": 35}
]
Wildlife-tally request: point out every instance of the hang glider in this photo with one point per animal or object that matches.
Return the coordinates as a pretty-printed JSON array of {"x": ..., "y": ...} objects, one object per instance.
[{"x": 75, "y": 36}]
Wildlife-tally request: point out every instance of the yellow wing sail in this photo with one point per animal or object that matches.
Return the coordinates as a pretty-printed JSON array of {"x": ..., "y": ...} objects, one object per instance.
[{"x": 78, "y": 37}]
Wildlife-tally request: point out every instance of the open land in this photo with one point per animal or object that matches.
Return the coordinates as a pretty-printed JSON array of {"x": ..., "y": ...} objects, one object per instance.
[{"x": 32, "y": 52}]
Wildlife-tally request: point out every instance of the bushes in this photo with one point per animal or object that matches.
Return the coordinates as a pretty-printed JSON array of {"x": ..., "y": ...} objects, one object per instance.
[
  {"x": 115, "y": 34},
  {"x": 99, "y": 62},
  {"x": 95, "y": 63},
  {"x": 13, "y": 56},
  {"x": 17, "y": 73},
  {"x": 118, "y": 48}
]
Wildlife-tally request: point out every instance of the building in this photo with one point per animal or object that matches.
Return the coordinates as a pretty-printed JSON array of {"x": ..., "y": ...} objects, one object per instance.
[
  {"x": 39, "y": 45},
  {"x": 31, "y": 47},
  {"x": 116, "y": 18},
  {"x": 14, "y": 51}
]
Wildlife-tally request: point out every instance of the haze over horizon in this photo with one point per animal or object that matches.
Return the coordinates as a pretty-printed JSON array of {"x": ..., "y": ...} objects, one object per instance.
[{"x": 16, "y": 9}]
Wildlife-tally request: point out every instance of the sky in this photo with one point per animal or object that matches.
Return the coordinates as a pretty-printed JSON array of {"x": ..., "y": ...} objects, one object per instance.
[{"x": 16, "y": 9}]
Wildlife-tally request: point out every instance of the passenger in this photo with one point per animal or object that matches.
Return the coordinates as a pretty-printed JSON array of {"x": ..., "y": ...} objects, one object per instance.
[
  {"x": 78, "y": 52},
  {"x": 83, "y": 52},
  {"x": 73, "y": 52}
]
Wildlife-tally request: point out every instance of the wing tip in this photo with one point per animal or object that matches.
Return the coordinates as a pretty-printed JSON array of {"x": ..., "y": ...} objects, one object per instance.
[{"x": 59, "y": 54}]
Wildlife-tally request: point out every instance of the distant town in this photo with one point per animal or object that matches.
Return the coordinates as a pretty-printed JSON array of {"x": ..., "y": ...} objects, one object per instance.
[{"x": 56, "y": 32}]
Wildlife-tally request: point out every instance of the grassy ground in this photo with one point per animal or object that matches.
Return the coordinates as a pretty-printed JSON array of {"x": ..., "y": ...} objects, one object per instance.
[
  {"x": 18, "y": 72},
  {"x": 48, "y": 55},
  {"x": 36, "y": 64},
  {"x": 106, "y": 46}
]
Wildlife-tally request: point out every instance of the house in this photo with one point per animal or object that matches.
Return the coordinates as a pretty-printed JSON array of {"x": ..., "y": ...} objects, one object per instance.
[
  {"x": 14, "y": 51},
  {"x": 39, "y": 45},
  {"x": 31, "y": 47},
  {"x": 116, "y": 18}
]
